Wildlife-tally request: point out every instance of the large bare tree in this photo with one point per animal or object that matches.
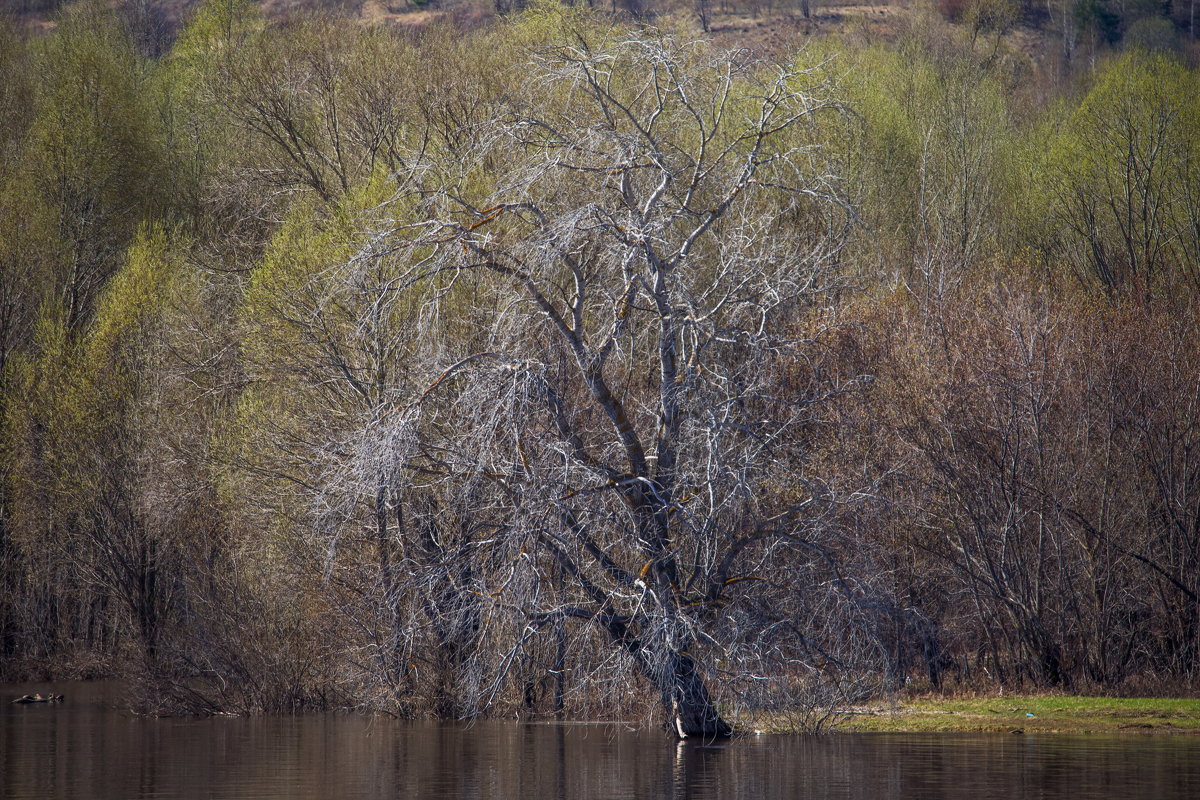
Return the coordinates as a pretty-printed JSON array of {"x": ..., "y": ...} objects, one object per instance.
[
  {"x": 635, "y": 427},
  {"x": 605, "y": 472}
]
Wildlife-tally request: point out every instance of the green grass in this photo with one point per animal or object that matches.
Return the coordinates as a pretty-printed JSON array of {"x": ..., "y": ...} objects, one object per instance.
[{"x": 1050, "y": 715}]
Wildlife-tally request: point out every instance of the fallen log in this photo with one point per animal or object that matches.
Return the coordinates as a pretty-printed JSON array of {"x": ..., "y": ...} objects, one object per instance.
[{"x": 38, "y": 698}]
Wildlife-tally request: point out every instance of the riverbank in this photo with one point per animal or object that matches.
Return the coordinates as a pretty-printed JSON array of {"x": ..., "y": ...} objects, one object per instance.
[{"x": 1030, "y": 714}]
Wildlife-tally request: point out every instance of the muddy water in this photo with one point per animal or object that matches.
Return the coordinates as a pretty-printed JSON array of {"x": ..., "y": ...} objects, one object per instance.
[{"x": 89, "y": 747}]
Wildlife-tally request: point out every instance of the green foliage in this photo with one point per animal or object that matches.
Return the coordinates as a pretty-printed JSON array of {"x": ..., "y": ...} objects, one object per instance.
[
  {"x": 80, "y": 392},
  {"x": 94, "y": 150},
  {"x": 284, "y": 294},
  {"x": 134, "y": 299},
  {"x": 545, "y": 22},
  {"x": 323, "y": 343},
  {"x": 1122, "y": 176},
  {"x": 16, "y": 95},
  {"x": 215, "y": 28},
  {"x": 29, "y": 248},
  {"x": 187, "y": 91},
  {"x": 83, "y": 444},
  {"x": 927, "y": 160},
  {"x": 995, "y": 17},
  {"x": 1152, "y": 34}
]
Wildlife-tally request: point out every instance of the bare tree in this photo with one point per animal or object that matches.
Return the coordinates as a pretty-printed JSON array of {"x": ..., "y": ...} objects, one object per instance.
[{"x": 634, "y": 435}]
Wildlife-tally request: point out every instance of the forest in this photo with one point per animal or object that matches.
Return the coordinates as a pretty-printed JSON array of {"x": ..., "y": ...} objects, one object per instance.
[{"x": 586, "y": 362}]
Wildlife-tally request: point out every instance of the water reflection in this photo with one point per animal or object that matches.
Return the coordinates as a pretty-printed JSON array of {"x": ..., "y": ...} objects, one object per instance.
[{"x": 90, "y": 748}]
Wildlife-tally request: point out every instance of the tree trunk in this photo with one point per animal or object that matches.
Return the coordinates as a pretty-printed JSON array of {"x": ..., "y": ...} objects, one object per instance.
[{"x": 686, "y": 700}]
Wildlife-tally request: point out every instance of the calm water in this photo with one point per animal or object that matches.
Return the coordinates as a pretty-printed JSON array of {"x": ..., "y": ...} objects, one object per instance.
[{"x": 89, "y": 748}]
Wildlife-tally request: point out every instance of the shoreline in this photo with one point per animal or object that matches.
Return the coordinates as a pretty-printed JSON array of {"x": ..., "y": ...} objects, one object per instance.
[
  {"x": 1013, "y": 714},
  {"x": 1029, "y": 714}
]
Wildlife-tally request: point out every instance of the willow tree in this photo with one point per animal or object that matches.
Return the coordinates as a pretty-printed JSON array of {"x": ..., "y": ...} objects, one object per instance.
[
  {"x": 562, "y": 387},
  {"x": 646, "y": 233}
]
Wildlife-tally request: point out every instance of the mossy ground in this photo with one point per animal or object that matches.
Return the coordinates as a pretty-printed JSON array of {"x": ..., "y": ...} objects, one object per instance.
[{"x": 1029, "y": 714}]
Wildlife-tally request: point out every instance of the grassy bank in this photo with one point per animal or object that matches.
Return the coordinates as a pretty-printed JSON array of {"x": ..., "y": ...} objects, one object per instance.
[{"x": 1032, "y": 715}]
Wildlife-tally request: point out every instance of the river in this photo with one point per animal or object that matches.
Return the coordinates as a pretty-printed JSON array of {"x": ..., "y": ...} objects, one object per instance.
[{"x": 90, "y": 747}]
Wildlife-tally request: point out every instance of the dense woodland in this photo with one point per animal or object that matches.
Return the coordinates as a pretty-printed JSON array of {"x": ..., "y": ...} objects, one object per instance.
[{"x": 585, "y": 363}]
